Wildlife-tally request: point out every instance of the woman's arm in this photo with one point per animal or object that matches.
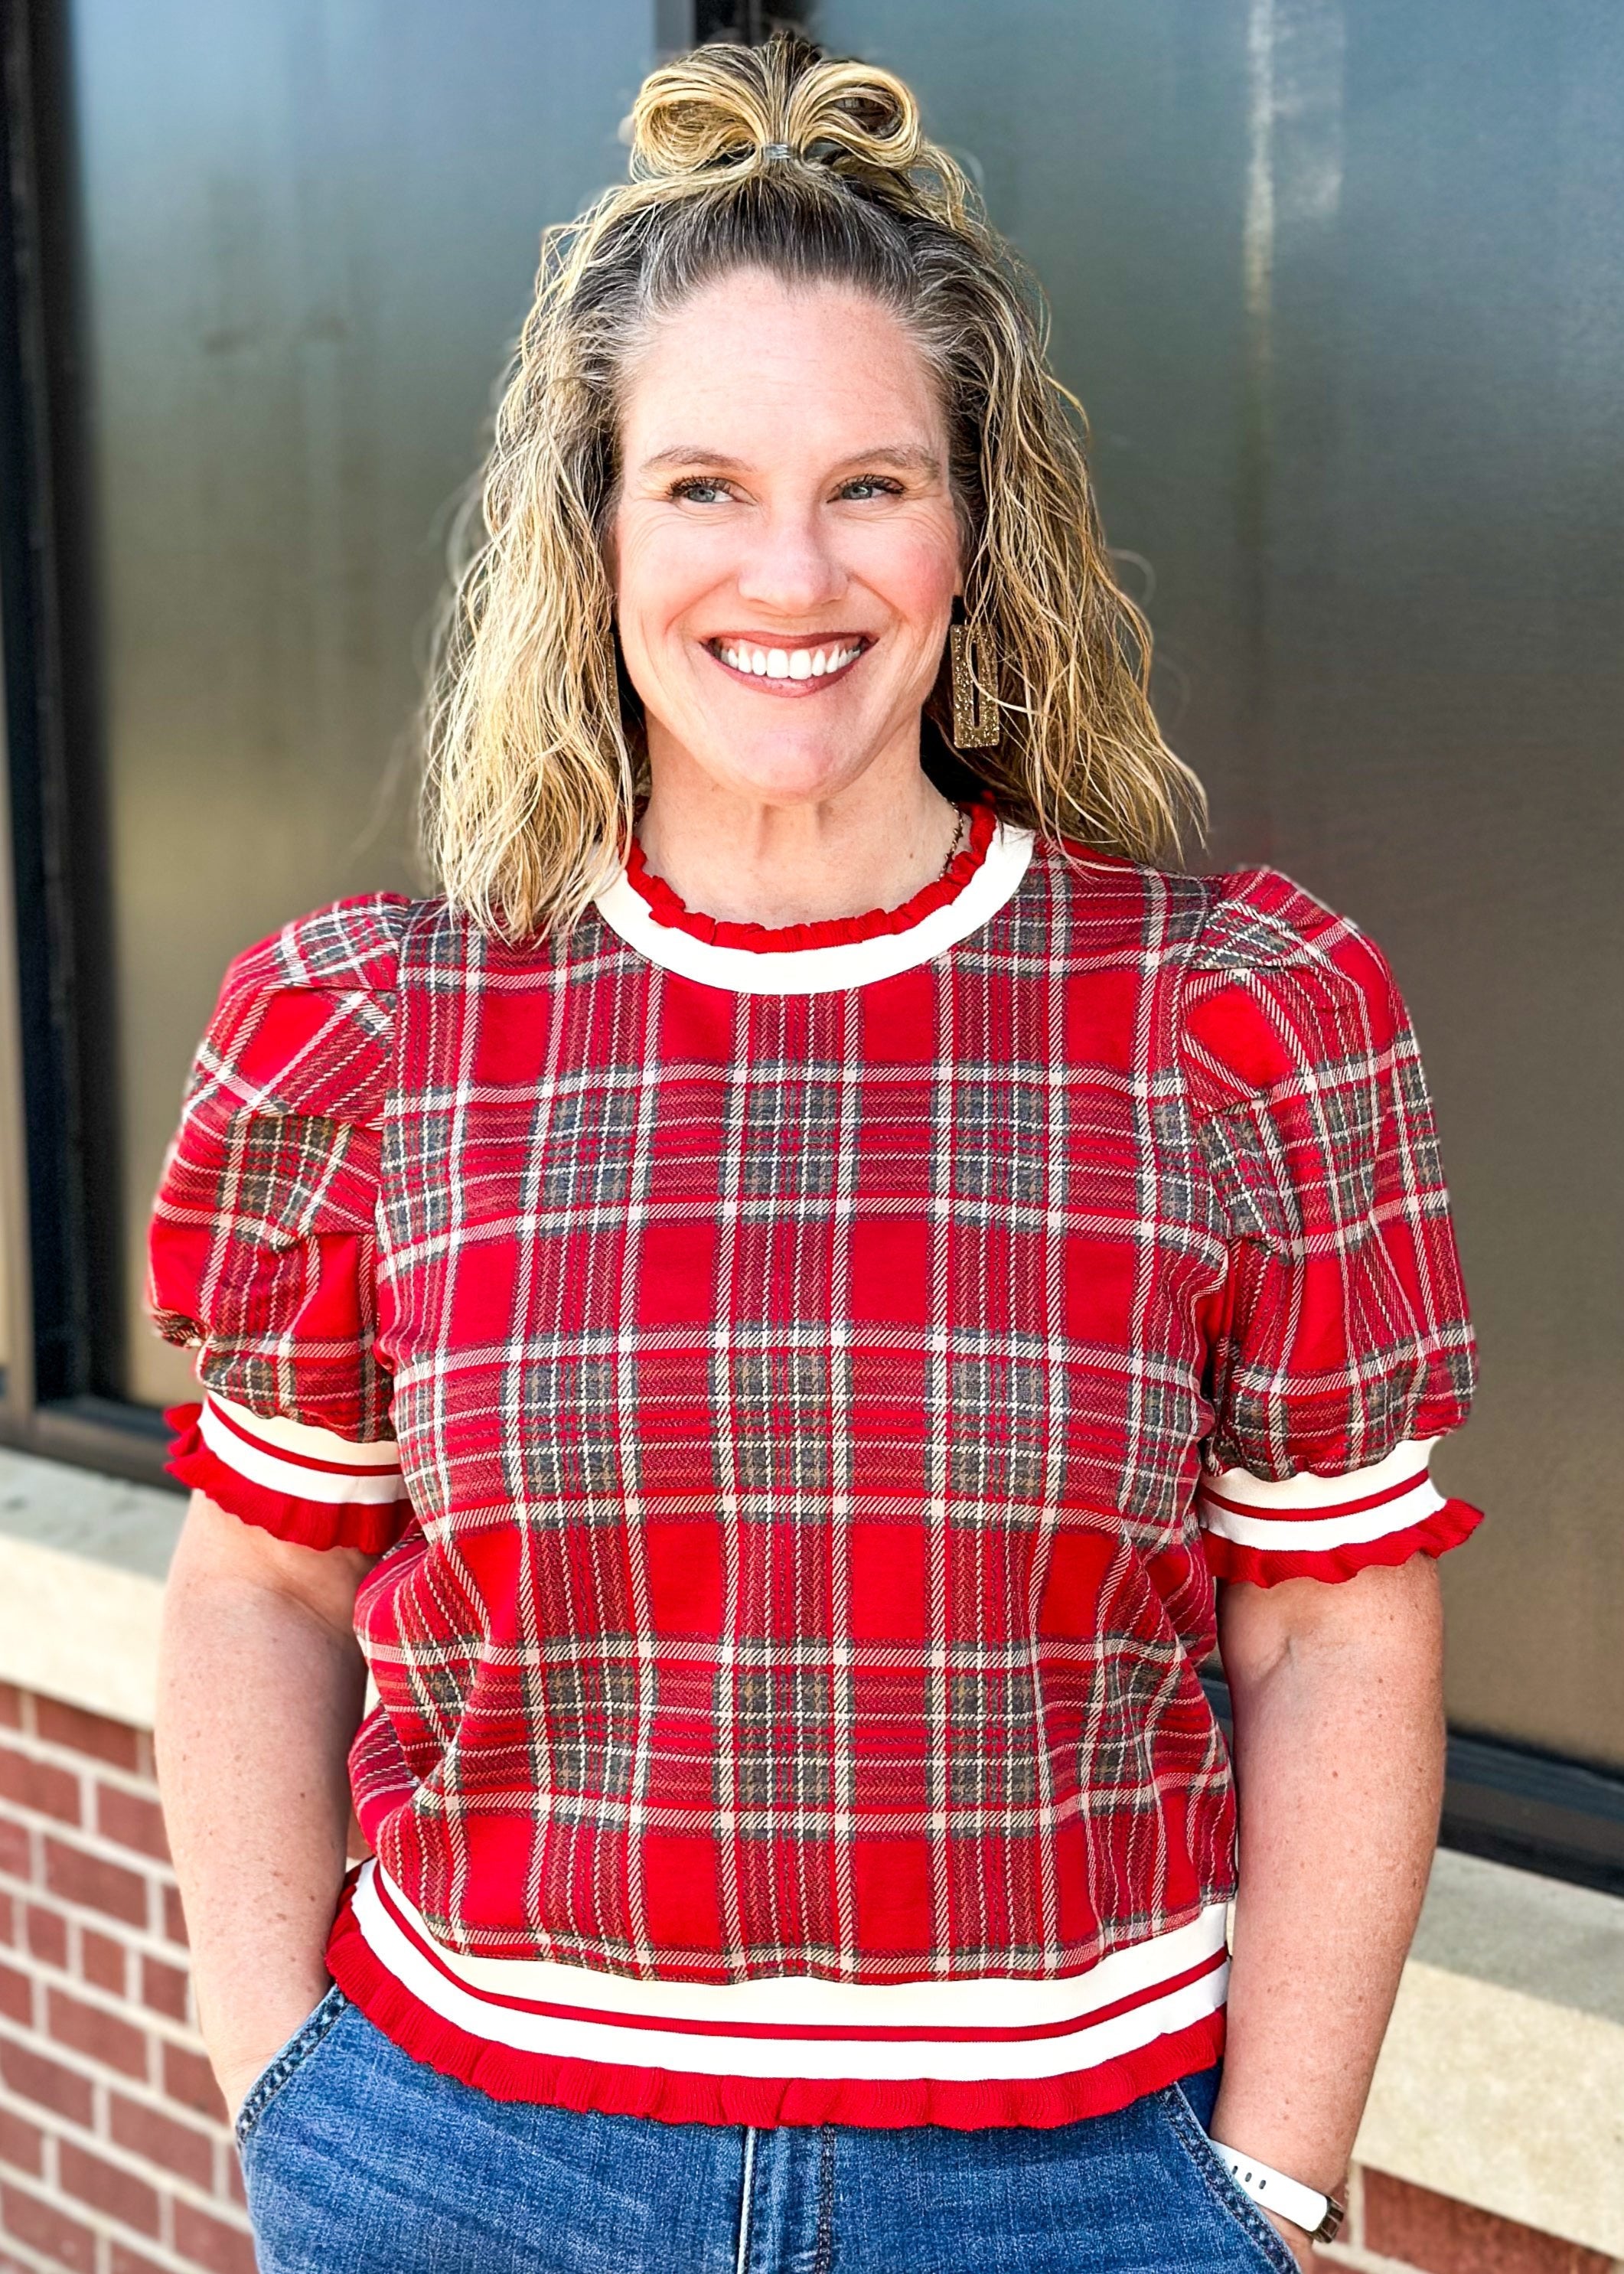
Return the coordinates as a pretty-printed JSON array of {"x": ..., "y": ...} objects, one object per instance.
[
  {"x": 1339, "y": 1751},
  {"x": 261, "y": 1685}
]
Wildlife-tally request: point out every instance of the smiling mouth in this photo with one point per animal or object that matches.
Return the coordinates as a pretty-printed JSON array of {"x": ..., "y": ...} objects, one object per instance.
[{"x": 800, "y": 670}]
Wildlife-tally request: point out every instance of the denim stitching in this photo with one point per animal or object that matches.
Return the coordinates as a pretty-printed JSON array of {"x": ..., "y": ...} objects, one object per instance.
[
  {"x": 746, "y": 2190},
  {"x": 1220, "y": 2186},
  {"x": 297, "y": 2050},
  {"x": 824, "y": 2250}
]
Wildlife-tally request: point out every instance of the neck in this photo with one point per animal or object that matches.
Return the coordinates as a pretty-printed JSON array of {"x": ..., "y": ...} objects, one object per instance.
[{"x": 734, "y": 855}]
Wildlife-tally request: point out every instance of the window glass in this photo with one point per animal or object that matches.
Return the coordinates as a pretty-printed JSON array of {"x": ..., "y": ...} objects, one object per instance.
[
  {"x": 311, "y": 235},
  {"x": 1340, "y": 284}
]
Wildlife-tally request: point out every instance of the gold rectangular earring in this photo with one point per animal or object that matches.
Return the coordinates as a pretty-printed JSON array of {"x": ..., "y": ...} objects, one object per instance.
[{"x": 973, "y": 659}]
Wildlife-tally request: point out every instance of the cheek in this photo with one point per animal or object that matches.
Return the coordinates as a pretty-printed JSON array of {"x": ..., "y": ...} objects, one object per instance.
[
  {"x": 916, "y": 572},
  {"x": 658, "y": 573}
]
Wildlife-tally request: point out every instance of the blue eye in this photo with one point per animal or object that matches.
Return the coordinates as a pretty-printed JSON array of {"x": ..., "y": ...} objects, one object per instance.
[
  {"x": 871, "y": 486},
  {"x": 697, "y": 491}
]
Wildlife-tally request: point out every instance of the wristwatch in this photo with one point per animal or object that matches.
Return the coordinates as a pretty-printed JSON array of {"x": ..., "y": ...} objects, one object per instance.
[{"x": 1320, "y": 2216}]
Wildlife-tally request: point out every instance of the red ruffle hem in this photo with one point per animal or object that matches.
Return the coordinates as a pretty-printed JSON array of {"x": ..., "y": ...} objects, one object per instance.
[
  {"x": 674, "y": 2097},
  {"x": 301, "y": 1523},
  {"x": 1266, "y": 1567}
]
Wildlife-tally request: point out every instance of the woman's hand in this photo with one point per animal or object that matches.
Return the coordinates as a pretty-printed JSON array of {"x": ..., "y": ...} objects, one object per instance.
[
  {"x": 261, "y": 1687},
  {"x": 236, "y": 2070},
  {"x": 1300, "y": 2244}
]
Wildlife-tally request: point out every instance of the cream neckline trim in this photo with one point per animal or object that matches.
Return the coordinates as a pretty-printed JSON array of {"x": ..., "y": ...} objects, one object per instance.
[{"x": 821, "y": 970}]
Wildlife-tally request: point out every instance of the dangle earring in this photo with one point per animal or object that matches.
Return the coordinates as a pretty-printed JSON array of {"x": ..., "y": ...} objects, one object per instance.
[{"x": 973, "y": 656}]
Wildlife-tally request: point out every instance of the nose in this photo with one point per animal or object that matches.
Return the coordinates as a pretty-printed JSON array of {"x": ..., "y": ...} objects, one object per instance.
[{"x": 790, "y": 570}]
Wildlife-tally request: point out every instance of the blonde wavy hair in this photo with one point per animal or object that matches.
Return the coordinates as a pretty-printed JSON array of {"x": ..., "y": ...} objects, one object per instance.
[{"x": 776, "y": 158}]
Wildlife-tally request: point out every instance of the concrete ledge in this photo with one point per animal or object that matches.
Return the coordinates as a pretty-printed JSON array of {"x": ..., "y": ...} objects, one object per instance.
[
  {"x": 1501, "y": 2082},
  {"x": 82, "y": 1563}
]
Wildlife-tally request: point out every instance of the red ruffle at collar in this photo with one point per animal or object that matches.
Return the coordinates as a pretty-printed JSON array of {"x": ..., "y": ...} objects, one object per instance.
[{"x": 834, "y": 931}]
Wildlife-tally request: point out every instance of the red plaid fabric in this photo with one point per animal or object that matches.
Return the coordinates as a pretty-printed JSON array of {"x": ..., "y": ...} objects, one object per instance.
[{"x": 825, "y": 1372}]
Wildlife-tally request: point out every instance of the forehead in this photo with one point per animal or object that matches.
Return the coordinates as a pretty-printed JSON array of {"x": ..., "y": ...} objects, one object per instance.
[{"x": 748, "y": 364}]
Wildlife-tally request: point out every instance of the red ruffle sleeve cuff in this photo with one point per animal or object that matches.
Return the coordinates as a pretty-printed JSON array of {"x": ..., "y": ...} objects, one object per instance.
[{"x": 304, "y": 1484}]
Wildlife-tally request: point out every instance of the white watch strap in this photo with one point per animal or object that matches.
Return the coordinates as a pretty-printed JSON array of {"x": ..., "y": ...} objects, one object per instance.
[{"x": 1272, "y": 2190}]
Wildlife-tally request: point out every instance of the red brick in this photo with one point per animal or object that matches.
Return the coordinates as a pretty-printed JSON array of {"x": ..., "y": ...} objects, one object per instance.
[
  {"x": 91, "y": 1880},
  {"x": 10, "y": 1920},
  {"x": 163, "y": 1988},
  {"x": 22, "y": 2144},
  {"x": 177, "y": 2147},
  {"x": 188, "y": 2078},
  {"x": 100, "y": 2035},
  {"x": 125, "y": 2260},
  {"x": 36, "y": 2078},
  {"x": 174, "y": 1917},
  {"x": 40, "y": 1785},
  {"x": 132, "y": 1820},
  {"x": 235, "y": 2187},
  {"x": 16, "y": 1853},
  {"x": 223, "y": 2249},
  {"x": 47, "y": 2230},
  {"x": 114, "y": 1742},
  {"x": 47, "y": 1936},
  {"x": 16, "y": 1996},
  {"x": 110, "y": 2188},
  {"x": 11, "y": 1706},
  {"x": 1445, "y": 2237},
  {"x": 101, "y": 1961}
]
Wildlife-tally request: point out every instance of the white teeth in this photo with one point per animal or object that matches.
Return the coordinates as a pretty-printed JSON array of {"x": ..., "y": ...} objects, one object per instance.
[{"x": 789, "y": 663}]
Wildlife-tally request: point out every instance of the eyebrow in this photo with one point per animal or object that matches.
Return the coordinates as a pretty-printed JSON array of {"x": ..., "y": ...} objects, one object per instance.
[{"x": 902, "y": 455}]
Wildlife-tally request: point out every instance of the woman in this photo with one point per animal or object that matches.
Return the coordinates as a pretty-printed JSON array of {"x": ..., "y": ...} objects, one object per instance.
[{"x": 767, "y": 1308}]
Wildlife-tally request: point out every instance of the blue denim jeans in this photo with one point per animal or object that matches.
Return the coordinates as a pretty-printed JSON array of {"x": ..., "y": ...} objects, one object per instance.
[{"x": 359, "y": 2160}]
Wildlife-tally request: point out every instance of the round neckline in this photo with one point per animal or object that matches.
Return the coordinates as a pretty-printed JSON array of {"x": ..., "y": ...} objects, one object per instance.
[
  {"x": 668, "y": 909},
  {"x": 956, "y": 907}
]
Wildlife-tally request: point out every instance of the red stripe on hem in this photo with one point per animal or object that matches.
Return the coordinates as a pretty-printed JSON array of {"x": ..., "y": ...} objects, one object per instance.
[
  {"x": 672, "y": 2097},
  {"x": 276, "y": 1452},
  {"x": 668, "y": 909},
  {"x": 1318, "y": 1510},
  {"x": 370, "y": 1527},
  {"x": 1267, "y": 1567},
  {"x": 813, "y": 2033}
]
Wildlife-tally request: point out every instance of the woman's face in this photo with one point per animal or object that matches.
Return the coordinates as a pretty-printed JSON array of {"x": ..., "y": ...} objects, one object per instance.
[{"x": 785, "y": 551}]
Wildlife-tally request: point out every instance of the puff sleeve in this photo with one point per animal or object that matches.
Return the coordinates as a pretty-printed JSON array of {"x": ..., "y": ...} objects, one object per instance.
[
  {"x": 1341, "y": 1350},
  {"x": 262, "y": 1251}
]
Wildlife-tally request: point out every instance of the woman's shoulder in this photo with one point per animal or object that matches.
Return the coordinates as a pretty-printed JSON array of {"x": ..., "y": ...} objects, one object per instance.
[
  {"x": 1260, "y": 920},
  {"x": 348, "y": 946},
  {"x": 1281, "y": 990},
  {"x": 1269, "y": 981},
  {"x": 1253, "y": 920},
  {"x": 306, "y": 1017}
]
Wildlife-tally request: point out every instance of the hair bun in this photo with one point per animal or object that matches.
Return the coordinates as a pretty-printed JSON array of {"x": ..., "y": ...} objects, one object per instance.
[{"x": 728, "y": 105}]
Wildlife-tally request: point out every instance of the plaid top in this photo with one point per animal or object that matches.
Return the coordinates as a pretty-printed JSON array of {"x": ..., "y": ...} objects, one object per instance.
[{"x": 805, "y": 1385}]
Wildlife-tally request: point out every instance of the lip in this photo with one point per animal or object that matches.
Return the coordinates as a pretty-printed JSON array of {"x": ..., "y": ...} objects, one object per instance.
[{"x": 806, "y": 643}]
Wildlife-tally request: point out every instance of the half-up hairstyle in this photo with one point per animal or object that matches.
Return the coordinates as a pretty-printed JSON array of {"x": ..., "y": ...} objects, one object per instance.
[{"x": 776, "y": 158}]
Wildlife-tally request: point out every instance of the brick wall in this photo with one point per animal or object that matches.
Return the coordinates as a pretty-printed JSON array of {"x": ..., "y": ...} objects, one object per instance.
[
  {"x": 114, "y": 2154},
  {"x": 1394, "y": 2228}
]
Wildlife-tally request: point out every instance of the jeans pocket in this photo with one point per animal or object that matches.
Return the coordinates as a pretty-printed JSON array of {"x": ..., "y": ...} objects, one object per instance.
[
  {"x": 1216, "y": 2176},
  {"x": 286, "y": 2064}
]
